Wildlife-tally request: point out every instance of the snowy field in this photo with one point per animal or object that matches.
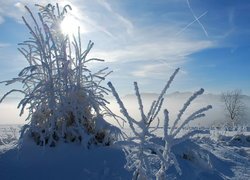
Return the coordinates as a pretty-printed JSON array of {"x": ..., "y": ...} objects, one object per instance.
[{"x": 216, "y": 155}]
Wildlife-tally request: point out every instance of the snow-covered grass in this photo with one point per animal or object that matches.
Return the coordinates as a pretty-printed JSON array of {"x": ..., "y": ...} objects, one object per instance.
[{"x": 63, "y": 97}]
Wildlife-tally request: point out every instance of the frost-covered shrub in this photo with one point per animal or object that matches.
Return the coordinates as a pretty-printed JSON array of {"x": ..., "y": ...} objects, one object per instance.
[
  {"x": 143, "y": 152},
  {"x": 64, "y": 98}
]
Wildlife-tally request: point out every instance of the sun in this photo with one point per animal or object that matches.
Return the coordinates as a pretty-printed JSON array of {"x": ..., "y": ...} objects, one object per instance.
[{"x": 69, "y": 25}]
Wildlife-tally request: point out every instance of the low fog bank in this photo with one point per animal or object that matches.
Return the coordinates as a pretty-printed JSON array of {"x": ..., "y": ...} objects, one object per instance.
[
  {"x": 174, "y": 102},
  {"x": 9, "y": 113}
]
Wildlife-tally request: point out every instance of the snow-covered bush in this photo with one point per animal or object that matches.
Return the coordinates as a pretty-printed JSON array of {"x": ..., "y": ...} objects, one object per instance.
[
  {"x": 64, "y": 98},
  {"x": 142, "y": 149}
]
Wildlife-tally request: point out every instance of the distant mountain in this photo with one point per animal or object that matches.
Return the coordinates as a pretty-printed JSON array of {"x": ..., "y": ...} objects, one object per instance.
[{"x": 144, "y": 95}]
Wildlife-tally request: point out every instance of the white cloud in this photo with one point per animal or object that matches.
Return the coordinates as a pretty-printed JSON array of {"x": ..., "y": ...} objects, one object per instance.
[
  {"x": 153, "y": 70},
  {"x": 12, "y": 8},
  {"x": 158, "y": 69}
]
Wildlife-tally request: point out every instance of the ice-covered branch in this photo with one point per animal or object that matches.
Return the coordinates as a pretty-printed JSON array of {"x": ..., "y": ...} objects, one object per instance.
[
  {"x": 197, "y": 114},
  {"x": 11, "y": 91},
  {"x": 139, "y": 102},
  {"x": 185, "y": 106},
  {"x": 166, "y": 124},
  {"x": 156, "y": 105},
  {"x": 124, "y": 111}
]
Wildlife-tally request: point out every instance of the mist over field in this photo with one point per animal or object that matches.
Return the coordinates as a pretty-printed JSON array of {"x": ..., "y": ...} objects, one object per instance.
[
  {"x": 173, "y": 103},
  {"x": 10, "y": 113}
]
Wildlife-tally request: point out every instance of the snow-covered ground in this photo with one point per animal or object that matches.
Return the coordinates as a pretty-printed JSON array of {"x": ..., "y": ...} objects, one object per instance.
[
  {"x": 66, "y": 161},
  {"x": 218, "y": 155}
]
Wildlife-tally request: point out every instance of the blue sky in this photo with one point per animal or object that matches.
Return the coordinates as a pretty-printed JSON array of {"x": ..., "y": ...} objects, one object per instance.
[{"x": 145, "y": 40}]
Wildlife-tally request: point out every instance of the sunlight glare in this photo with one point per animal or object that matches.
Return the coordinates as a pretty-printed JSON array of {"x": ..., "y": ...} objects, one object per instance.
[{"x": 69, "y": 25}]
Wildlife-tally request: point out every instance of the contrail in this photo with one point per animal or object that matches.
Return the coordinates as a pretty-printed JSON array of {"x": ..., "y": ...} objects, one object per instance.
[
  {"x": 193, "y": 23},
  {"x": 196, "y": 20}
]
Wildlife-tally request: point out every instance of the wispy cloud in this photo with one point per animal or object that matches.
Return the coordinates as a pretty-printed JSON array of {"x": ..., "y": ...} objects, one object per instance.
[
  {"x": 170, "y": 50},
  {"x": 153, "y": 70},
  {"x": 129, "y": 38},
  {"x": 124, "y": 21}
]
